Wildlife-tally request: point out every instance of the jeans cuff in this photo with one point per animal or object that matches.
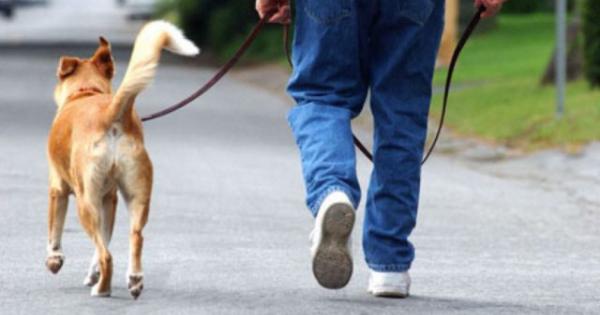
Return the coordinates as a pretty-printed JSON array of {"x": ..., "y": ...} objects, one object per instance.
[
  {"x": 314, "y": 208},
  {"x": 389, "y": 268}
]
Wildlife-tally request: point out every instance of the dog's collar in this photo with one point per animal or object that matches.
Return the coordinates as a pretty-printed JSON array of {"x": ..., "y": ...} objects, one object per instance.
[{"x": 83, "y": 92}]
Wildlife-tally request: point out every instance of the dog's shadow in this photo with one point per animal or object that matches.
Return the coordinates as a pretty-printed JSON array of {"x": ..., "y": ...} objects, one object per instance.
[
  {"x": 277, "y": 301},
  {"x": 200, "y": 299}
]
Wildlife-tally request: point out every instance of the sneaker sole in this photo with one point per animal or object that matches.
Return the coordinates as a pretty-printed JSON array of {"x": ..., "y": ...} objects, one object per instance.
[
  {"x": 389, "y": 294},
  {"x": 332, "y": 263}
]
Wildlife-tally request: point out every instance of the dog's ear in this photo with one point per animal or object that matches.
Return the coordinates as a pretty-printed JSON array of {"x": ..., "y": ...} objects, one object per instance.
[
  {"x": 103, "y": 59},
  {"x": 67, "y": 66},
  {"x": 103, "y": 41}
]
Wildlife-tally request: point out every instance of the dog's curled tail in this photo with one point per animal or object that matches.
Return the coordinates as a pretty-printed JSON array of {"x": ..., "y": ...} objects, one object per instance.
[{"x": 144, "y": 59}]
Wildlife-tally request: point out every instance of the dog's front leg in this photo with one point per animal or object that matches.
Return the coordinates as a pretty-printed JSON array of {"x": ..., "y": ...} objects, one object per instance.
[
  {"x": 92, "y": 220},
  {"x": 110, "y": 208},
  {"x": 57, "y": 211}
]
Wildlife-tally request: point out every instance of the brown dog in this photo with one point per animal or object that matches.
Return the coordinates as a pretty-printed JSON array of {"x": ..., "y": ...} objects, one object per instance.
[{"x": 96, "y": 148}]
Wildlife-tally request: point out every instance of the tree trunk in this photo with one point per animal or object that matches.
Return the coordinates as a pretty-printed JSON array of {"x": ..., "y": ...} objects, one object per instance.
[
  {"x": 574, "y": 53},
  {"x": 450, "y": 33}
]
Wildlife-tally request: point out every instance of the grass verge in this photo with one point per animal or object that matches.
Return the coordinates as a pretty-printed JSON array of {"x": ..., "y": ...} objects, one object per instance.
[{"x": 497, "y": 96}]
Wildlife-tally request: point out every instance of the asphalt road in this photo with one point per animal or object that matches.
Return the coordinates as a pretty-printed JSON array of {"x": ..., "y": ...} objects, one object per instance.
[{"x": 228, "y": 231}]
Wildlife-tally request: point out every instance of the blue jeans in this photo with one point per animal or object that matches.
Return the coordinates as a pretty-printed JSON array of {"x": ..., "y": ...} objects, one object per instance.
[{"x": 342, "y": 49}]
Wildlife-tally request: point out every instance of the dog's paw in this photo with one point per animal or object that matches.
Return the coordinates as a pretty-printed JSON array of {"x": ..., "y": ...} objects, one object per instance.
[
  {"x": 135, "y": 283},
  {"x": 91, "y": 279},
  {"x": 96, "y": 292},
  {"x": 55, "y": 262}
]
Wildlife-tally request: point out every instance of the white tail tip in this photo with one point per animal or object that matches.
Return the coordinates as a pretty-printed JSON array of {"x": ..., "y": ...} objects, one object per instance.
[{"x": 178, "y": 43}]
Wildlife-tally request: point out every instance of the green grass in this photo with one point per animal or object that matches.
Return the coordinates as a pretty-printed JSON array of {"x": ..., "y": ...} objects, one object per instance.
[{"x": 498, "y": 98}]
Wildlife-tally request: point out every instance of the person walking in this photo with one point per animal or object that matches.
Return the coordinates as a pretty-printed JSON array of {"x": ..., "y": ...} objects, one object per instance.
[{"x": 342, "y": 50}]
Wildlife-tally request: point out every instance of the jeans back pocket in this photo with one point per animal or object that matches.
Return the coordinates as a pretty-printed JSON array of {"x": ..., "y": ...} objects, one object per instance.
[
  {"x": 327, "y": 12},
  {"x": 417, "y": 11}
]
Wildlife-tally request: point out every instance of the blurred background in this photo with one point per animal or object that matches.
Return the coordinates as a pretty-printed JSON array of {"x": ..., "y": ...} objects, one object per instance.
[
  {"x": 505, "y": 77},
  {"x": 509, "y": 205},
  {"x": 504, "y": 88}
]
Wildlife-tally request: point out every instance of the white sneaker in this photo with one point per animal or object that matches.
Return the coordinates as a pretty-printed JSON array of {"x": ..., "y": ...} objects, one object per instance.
[
  {"x": 331, "y": 250},
  {"x": 389, "y": 284}
]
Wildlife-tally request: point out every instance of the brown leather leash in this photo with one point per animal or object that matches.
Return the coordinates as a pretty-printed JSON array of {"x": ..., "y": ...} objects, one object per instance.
[
  {"x": 218, "y": 75},
  {"x": 455, "y": 55},
  {"x": 252, "y": 37}
]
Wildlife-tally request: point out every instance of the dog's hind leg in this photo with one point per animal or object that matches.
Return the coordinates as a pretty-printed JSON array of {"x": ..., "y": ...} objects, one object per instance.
[
  {"x": 93, "y": 218},
  {"x": 139, "y": 215},
  {"x": 57, "y": 211},
  {"x": 137, "y": 188},
  {"x": 110, "y": 206}
]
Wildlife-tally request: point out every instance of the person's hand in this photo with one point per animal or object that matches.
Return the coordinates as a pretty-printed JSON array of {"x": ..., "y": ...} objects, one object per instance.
[
  {"x": 492, "y": 7},
  {"x": 280, "y": 7}
]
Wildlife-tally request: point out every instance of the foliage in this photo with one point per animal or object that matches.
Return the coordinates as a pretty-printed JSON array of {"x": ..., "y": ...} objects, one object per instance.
[
  {"x": 591, "y": 33},
  {"x": 466, "y": 13},
  {"x": 221, "y": 25},
  {"x": 524, "y": 6},
  {"x": 533, "y": 6}
]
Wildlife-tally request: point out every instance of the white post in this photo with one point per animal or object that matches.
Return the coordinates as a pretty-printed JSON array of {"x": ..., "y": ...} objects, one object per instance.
[{"x": 561, "y": 56}]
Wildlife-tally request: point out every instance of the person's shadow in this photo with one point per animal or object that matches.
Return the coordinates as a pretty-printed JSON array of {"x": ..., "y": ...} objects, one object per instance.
[{"x": 418, "y": 304}]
